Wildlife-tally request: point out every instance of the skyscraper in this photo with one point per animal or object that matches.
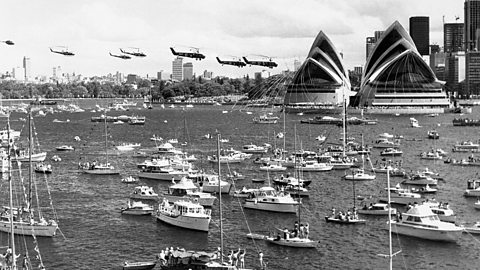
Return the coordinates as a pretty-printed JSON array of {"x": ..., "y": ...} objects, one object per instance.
[
  {"x": 472, "y": 23},
  {"x": 187, "y": 71},
  {"x": 177, "y": 69},
  {"x": 369, "y": 45},
  {"x": 27, "y": 66},
  {"x": 453, "y": 37},
  {"x": 420, "y": 33},
  {"x": 472, "y": 74}
]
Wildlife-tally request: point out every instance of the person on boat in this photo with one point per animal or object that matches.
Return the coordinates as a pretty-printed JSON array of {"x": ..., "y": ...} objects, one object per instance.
[
  {"x": 260, "y": 259},
  {"x": 306, "y": 230},
  {"x": 286, "y": 234},
  {"x": 230, "y": 258},
  {"x": 235, "y": 257},
  {"x": 25, "y": 263},
  {"x": 302, "y": 230},
  {"x": 241, "y": 258},
  {"x": 333, "y": 212},
  {"x": 218, "y": 254}
]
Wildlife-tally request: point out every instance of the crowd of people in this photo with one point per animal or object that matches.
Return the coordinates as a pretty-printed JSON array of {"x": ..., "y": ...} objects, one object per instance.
[
  {"x": 299, "y": 231},
  {"x": 345, "y": 216}
]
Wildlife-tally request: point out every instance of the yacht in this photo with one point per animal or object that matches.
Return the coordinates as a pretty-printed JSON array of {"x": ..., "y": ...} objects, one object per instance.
[
  {"x": 254, "y": 149},
  {"x": 473, "y": 188},
  {"x": 421, "y": 222},
  {"x": 313, "y": 166},
  {"x": 402, "y": 196},
  {"x": 273, "y": 168},
  {"x": 267, "y": 199},
  {"x": 184, "y": 214},
  {"x": 359, "y": 175},
  {"x": 209, "y": 183},
  {"x": 144, "y": 192},
  {"x": 159, "y": 172},
  {"x": 186, "y": 190}
]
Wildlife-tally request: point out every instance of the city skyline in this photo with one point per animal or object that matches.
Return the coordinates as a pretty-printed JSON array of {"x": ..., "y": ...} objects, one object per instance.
[{"x": 283, "y": 30}]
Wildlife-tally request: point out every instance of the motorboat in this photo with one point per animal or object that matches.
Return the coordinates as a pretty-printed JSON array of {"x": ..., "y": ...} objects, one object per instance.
[
  {"x": 43, "y": 168},
  {"x": 168, "y": 148},
  {"x": 359, "y": 175},
  {"x": 385, "y": 143},
  {"x": 244, "y": 192},
  {"x": 184, "y": 214},
  {"x": 402, "y": 197},
  {"x": 160, "y": 172},
  {"x": 467, "y": 145},
  {"x": 477, "y": 205},
  {"x": 391, "y": 152},
  {"x": 98, "y": 168},
  {"x": 424, "y": 190},
  {"x": 65, "y": 148},
  {"x": 341, "y": 163},
  {"x": 186, "y": 190},
  {"x": 431, "y": 156},
  {"x": 414, "y": 123},
  {"x": 268, "y": 199},
  {"x": 254, "y": 149},
  {"x": 473, "y": 188},
  {"x": 475, "y": 229},
  {"x": 129, "y": 180},
  {"x": 127, "y": 146},
  {"x": 377, "y": 209},
  {"x": 289, "y": 180},
  {"x": 209, "y": 183},
  {"x": 56, "y": 158},
  {"x": 433, "y": 134},
  {"x": 23, "y": 156},
  {"x": 321, "y": 138},
  {"x": 137, "y": 208},
  {"x": 420, "y": 179},
  {"x": 138, "y": 265},
  {"x": 156, "y": 138},
  {"x": 265, "y": 119},
  {"x": 144, "y": 193},
  {"x": 313, "y": 166},
  {"x": 273, "y": 168},
  {"x": 344, "y": 218},
  {"x": 386, "y": 135},
  {"x": 444, "y": 212},
  {"x": 419, "y": 221},
  {"x": 288, "y": 241}
]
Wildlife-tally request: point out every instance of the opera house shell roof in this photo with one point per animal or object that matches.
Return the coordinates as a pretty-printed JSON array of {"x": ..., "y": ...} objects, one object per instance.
[
  {"x": 396, "y": 76},
  {"x": 322, "y": 78}
]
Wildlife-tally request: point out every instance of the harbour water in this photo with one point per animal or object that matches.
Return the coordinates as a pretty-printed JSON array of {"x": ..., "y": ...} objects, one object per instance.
[{"x": 97, "y": 236}]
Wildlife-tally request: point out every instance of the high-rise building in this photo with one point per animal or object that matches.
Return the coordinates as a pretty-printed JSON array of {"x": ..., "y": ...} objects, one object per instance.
[
  {"x": 187, "y": 71},
  {"x": 473, "y": 72},
  {"x": 296, "y": 64},
  {"x": 177, "y": 69},
  {"x": 18, "y": 73},
  {"x": 28, "y": 68},
  {"x": 453, "y": 37},
  {"x": 207, "y": 75},
  {"x": 370, "y": 45},
  {"x": 472, "y": 23},
  {"x": 420, "y": 33},
  {"x": 132, "y": 79},
  {"x": 454, "y": 71}
]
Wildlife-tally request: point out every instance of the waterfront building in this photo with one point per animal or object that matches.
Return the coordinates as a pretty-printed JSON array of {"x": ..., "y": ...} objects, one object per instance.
[
  {"x": 396, "y": 76},
  {"x": 454, "y": 71},
  {"x": 27, "y": 66},
  {"x": 472, "y": 23},
  {"x": 473, "y": 73},
  {"x": 322, "y": 79},
  {"x": 187, "y": 71},
  {"x": 420, "y": 33},
  {"x": 453, "y": 37},
  {"x": 177, "y": 69},
  {"x": 132, "y": 79}
]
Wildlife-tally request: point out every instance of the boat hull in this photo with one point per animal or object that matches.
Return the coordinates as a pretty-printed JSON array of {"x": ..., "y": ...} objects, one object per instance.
[
  {"x": 39, "y": 157},
  {"x": 429, "y": 234},
  {"x": 344, "y": 221},
  {"x": 272, "y": 207},
  {"x": 225, "y": 189},
  {"x": 202, "y": 201},
  {"x": 139, "y": 265},
  {"x": 192, "y": 223},
  {"x": 293, "y": 242},
  {"x": 23, "y": 228},
  {"x": 162, "y": 176},
  {"x": 377, "y": 212},
  {"x": 137, "y": 212},
  {"x": 102, "y": 172}
]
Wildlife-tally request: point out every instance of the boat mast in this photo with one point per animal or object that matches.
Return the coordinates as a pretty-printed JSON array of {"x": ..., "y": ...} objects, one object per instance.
[
  {"x": 12, "y": 234},
  {"x": 106, "y": 138},
  {"x": 344, "y": 126},
  {"x": 389, "y": 221},
  {"x": 30, "y": 169},
  {"x": 295, "y": 167},
  {"x": 220, "y": 197},
  {"x": 284, "y": 134}
]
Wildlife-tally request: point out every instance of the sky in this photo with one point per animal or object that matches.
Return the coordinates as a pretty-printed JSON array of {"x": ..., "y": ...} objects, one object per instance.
[{"x": 281, "y": 29}]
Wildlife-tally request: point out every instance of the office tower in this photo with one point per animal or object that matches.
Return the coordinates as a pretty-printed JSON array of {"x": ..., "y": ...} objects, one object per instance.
[
  {"x": 370, "y": 45},
  {"x": 420, "y": 33},
  {"x": 454, "y": 70},
  {"x": 132, "y": 79},
  {"x": 453, "y": 37},
  {"x": 18, "y": 73},
  {"x": 28, "y": 68},
  {"x": 472, "y": 74},
  {"x": 187, "y": 71},
  {"x": 177, "y": 69},
  {"x": 472, "y": 23}
]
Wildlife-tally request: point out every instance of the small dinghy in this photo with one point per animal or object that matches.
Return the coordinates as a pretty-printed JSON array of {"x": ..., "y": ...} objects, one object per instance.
[{"x": 138, "y": 265}]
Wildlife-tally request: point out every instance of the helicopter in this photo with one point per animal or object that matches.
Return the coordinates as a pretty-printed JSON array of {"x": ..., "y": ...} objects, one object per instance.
[
  {"x": 237, "y": 63},
  {"x": 138, "y": 53},
  {"x": 197, "y": 55},
  {"x": 269, "y": 63},
  {"x": 64, "y": 51},
  {"x": 120, "y": 56}
]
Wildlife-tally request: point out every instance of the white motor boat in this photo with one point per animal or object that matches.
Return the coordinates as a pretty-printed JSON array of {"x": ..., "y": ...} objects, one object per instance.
[
  {"x": 43, "y": 168},
  {"x": 386, "y": 135},
  {"x": 444, "y": 213},
  {"x": 254, "y": 149},
  {"x": 127, "y": 146},
  {"x": 144, "y": 193},
  {"x": 431, "y": 156},
  {"x": 359, "y": 175},
  {"x": 296, "y": 242},
  {"x": 129, "y": 180},
  {"x": 137, "y": 208},
  {"x": 475, "y": 229},
  {"x": 477, "y": 205},
  {"x": 186, "y": 190},
  {"x": 391, "y": 152},
  {"x": 65, "y": 148},
  {"x": 98, "y": 168},
  {"x": 414, "y": 123},
  {"x": 56, "y": 158},
  {"x": 421, "y": 222},
  {"x": 467, "y": 145},
  {"x": 160, "y": 172},
  {"x": 23, "y": 156},
  {"x": 377, "y": 209},
  {"x": 420, "y": 179},
  {"x": 385, "y": 143},
  {"x": 313, "y": 166},
  {"x": 273, "y": 168},
  {"x": 473, "y": 188},
  {"x": 184, "y": 214},
  {"x": 267, "y": 199},
  {"x": 209, "y": 183},
  {"x": 402, "y": 197}
]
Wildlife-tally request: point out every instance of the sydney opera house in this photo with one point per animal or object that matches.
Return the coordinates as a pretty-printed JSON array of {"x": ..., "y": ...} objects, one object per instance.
[
  {"x": 396, "y": 78},
  {"x": 321, "y": 83}
]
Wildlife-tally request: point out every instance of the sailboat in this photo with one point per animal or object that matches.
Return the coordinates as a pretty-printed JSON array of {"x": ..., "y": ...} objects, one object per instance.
[
  {"x": 343, "y": 162},
  {"x": 359, "y": 174},
  {"x": 346, "y": 218},
  {"x": 21, "y": 220},
  {"x": 100, "y": 168}
]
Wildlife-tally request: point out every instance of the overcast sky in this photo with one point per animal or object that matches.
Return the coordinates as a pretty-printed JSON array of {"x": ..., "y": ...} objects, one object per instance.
[{"x": 282, "y": 29}]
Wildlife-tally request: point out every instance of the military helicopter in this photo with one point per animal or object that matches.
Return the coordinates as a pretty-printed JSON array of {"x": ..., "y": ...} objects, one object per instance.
[
  {"x": 137, "y": 53},
  {"x": 8, "y": 42},
  {"x": 237, "y": 63},
  {"x": 269, "y": 63},
  {"x": 64, "y": 51},
  {"x": 196, "y": 54},
  {"x": 120, "y": 56}
]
